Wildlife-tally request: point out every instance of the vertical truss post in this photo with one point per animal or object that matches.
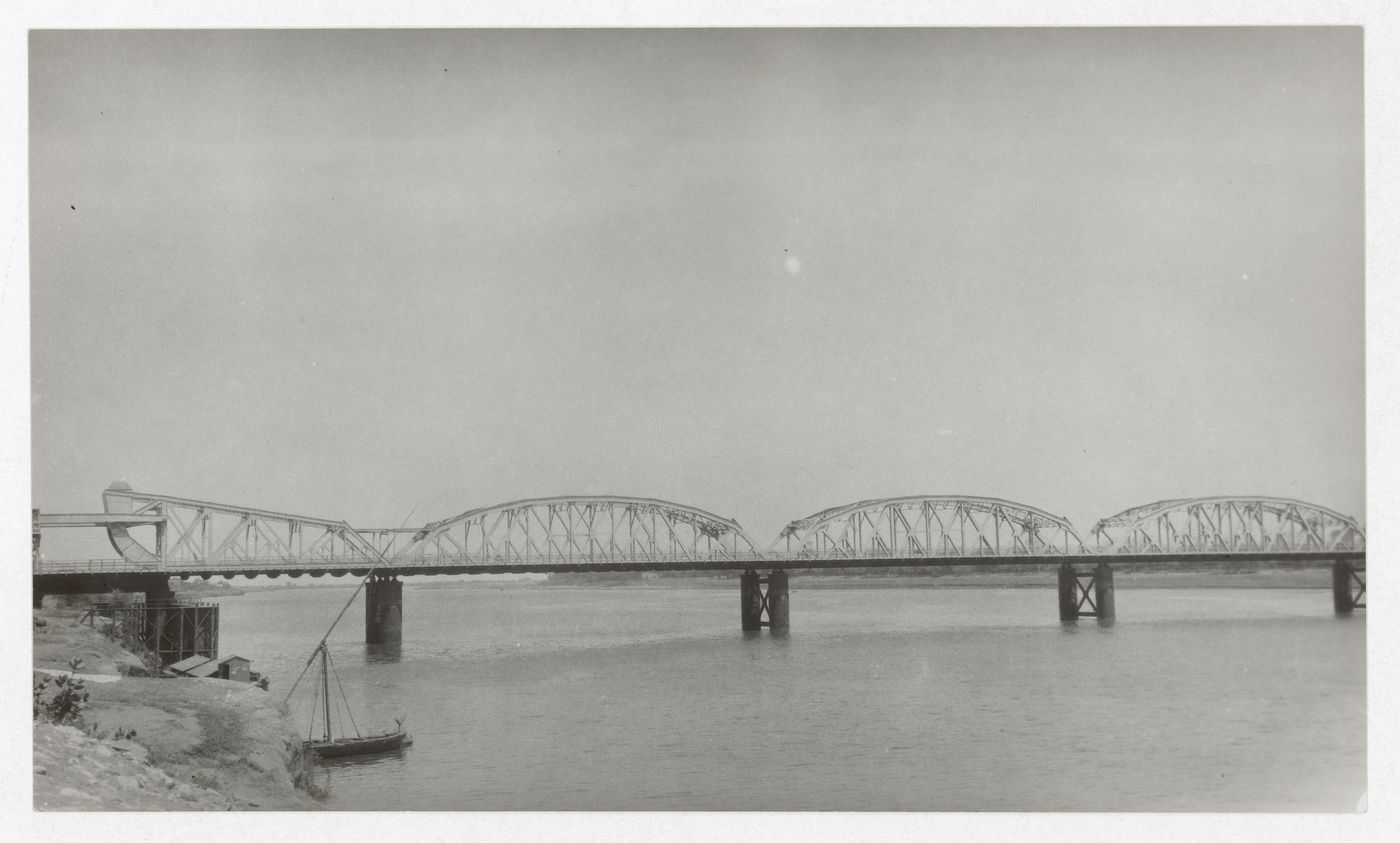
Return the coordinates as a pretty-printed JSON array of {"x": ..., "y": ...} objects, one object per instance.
[{"x": 383, "y": 610}]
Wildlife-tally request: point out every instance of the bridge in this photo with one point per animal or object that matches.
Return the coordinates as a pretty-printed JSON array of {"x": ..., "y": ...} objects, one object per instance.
[{"x": 195, "y": 538}]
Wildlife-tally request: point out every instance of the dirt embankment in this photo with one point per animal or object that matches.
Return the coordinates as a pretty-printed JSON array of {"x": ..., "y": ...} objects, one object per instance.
[{"x": 200, "y": 744}]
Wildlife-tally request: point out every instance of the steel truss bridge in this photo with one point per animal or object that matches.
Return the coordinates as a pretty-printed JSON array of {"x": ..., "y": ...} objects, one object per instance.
[{"x": 609, "y": 533}]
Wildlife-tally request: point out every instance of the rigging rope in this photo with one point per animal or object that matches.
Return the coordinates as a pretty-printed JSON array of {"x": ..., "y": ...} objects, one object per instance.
[
  {"x": 353, "y": 595},
  {"x": 348, "y": 712},
  {"x": 312, "y": 728}
]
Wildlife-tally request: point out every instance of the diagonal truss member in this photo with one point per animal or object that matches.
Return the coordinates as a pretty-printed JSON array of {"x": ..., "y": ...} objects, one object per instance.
[{"x": 204, "y": 533}]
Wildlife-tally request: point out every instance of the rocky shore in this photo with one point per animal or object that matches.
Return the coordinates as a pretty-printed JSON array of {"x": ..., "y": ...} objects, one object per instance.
[{"x": 199, "y": 744}]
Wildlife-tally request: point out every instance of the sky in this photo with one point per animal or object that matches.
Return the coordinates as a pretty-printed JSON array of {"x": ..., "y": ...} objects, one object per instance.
[{"x": 389, "y": 276}]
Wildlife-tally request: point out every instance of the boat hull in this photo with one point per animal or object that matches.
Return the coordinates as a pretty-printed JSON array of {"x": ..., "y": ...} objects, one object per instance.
[{"x": 342, "y": 747}]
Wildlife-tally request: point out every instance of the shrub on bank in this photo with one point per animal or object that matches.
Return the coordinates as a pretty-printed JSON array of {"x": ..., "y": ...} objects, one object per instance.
[{"x": 66, "y": 706}]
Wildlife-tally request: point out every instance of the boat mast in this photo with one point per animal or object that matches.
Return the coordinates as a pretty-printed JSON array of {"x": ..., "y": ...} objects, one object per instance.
[{"x": 326, "y": 689}]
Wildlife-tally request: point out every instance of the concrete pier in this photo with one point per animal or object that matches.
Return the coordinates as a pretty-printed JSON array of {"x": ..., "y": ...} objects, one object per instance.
[
  {"x": 383, "y": 610},
  {"x": 750, "y": 601},
  {"x": 1069, "y": 593},
  {"x": 1348, "y": 587},
  {"x": 763, "y": 601},
  {"x": 778, "y": 601},
  {"x": 1094, "y": 588},
  {"x": 1103, "y": 593}
]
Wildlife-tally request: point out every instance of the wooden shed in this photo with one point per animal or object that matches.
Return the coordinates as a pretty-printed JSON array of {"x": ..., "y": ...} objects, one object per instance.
[{"x": 236, "y": 668}]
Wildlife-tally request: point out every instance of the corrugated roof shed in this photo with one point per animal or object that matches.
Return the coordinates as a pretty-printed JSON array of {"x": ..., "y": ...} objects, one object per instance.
[{"x": 186, "y": 665}]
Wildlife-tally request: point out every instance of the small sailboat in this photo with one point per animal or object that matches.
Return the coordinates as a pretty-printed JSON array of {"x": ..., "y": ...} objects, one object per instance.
[{"x": 330, "y": 746}]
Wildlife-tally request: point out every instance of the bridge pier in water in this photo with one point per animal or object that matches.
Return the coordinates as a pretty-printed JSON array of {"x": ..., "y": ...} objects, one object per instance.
[
  {"x": 1348, "y": 587},
  {"x": 763, "y": 596},
  {"x": 1091, "y": 588},
  {"x": 383, "y": 610}
]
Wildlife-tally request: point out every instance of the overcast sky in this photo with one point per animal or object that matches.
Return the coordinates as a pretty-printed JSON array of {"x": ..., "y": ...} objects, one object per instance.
[{"x": 389, "y": 276}]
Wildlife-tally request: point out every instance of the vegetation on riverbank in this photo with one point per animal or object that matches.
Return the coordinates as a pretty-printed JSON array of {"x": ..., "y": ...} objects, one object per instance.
[{"x": 198, "y": 744}]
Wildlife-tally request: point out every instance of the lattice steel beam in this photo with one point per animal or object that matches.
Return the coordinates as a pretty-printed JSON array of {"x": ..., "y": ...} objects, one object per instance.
[
  {"x": 929, "y": 526},
  {"x": 1242, "y": 524},
  {"x": 195, "y": 531},
  {"x": 583, "y": 530}
]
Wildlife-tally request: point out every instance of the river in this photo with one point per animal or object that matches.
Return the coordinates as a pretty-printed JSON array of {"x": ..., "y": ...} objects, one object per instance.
[{"x": 888, "y": 699}]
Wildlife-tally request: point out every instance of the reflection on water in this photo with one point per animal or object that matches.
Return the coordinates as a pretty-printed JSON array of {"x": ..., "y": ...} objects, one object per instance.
[
  {"x": 382, "y": 653},
  {"x": 328, "y": 771},
  {"x": 877, "y": 699}
]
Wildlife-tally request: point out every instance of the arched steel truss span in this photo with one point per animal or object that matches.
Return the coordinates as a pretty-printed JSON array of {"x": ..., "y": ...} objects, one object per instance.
[
  {"x": 1228, "y": 525},
  {"x": 915, "y": 527},
  {"x": 591, "y": 530},
  {"x": 194, "y": 532}
]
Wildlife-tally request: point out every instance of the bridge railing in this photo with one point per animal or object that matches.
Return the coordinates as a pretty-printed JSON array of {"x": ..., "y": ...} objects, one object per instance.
[
  {"x": 92, "y": 566},
  {"x": 866, "y": 554},
  {"x": 98, "y": 566},
  {"x": 725, "y": 560}
]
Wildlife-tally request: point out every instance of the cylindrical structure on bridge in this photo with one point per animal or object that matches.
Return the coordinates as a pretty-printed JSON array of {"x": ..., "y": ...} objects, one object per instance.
[
  {"x": 1341, "y": 587},
  {"x": 1103, "y": 592},
  {"x": 1069, "y": 593},
  {"x": 383, "y": 610},
  {"x": 778, "y": 600},
  {"x": 750, "y": 601}
]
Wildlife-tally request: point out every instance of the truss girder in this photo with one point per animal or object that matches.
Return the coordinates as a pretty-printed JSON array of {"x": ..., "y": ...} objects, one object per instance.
[
  {"x": 1228, "y": 524},
  {"x": 201, "y": 532},
  {"x": 578, "y": 530},
  {"x": 929, "y": 526}
]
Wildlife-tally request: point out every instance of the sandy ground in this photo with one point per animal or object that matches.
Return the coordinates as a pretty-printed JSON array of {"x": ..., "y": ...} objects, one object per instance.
[
  {"x": 62, "y": 638},
  {"x": 200, "y": 744}
]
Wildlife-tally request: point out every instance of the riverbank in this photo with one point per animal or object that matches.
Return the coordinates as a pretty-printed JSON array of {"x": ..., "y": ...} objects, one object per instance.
[{"x": 199, "y": 744}]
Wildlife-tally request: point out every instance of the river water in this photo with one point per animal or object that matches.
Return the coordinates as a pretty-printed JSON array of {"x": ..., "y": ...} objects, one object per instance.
[{"x": 927, "y": 699}]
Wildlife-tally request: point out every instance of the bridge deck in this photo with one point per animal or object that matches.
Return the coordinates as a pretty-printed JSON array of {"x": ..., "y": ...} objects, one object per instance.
[{"x": 360, "y": 567}]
